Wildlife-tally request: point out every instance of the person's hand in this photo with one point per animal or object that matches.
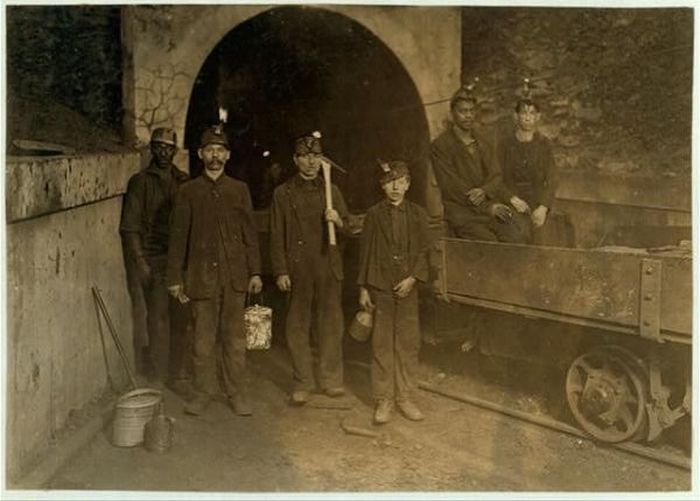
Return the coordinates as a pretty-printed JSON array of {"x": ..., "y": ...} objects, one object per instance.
[
  {"x": 333, "y": 216},
  {"x": 539, "y": 216},
  {"x": 143, "y": 270},
  {"x": 284, "y": 283},
  {"x": 476, "y": 196},
  {"x": 255, "y": 284},
  {"x": 178, "y": 292},
  {"x": 500, "y": 212},
  {"x": 366, "y": 300},
  {"x": 404, "y": 287},
  {"x": 519, "y": 204}
]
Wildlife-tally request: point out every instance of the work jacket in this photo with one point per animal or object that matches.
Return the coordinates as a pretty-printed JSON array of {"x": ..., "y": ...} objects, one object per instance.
[
  {"x": 292, "y": 230},
  {"x": 209, "y": 214},
  {"x": 378, "y": 257},
  {"x": 147, "y": 205},
  {"x": 457, "y": 170}
]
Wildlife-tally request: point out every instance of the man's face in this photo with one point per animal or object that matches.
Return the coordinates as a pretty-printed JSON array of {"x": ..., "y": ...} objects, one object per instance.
[
  {"x": 308, "y": 164},
  {"x": 163, "y": 154},
  {"x": 527, "y": 117},
  {"x": 214, "y": 157},
  {"x": 464, "y": 115},
  {"x": 396, "y": 189}
]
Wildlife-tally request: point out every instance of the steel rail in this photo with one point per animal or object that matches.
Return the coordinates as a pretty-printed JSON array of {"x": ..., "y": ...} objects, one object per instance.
[{"x": 633, "y": 448}]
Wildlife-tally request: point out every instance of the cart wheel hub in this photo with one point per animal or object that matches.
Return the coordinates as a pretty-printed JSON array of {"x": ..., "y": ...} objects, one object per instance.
[{"x": 598, "y": 397}]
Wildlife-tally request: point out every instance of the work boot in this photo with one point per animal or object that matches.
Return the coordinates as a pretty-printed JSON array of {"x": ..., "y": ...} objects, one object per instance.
[
  {"x": 198, "y": 404},
  {"x": 337, "y": 391},
  {"x": 410, "y": 410},
  {"x": 299, "y": 397},
  {"x": 183, "y": 388},
  {"x": 382, "y": 413},
  {"x": 240, "y": 404}
]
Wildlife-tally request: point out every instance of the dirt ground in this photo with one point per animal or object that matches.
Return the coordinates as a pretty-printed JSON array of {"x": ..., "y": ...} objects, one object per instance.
[{"x": 458, "y": 448}]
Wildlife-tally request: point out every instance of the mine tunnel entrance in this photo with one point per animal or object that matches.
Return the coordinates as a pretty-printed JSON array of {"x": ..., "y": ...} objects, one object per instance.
[{"x": 292, "y": 70}]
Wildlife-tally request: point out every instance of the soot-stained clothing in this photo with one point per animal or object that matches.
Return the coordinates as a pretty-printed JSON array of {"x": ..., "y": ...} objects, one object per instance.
[
  {"x": 214, "y": 252},
  {"x": 145, "y": 217},
  {"x": 299, "y": 248},
  {"x": 394, "y": 245}
]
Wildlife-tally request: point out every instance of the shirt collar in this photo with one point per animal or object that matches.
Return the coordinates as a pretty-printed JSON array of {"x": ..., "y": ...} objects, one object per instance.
[{"x": 401, "y": 207}]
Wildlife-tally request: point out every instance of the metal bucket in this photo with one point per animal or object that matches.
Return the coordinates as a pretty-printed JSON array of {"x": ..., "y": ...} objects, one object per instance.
[
  {"x": 361, "y": 326},
  {"x": 133, "y": 411},
  {"x": 159, "y": 432}
]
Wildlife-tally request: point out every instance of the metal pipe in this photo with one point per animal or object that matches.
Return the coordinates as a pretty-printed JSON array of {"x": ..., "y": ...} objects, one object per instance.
[
  {"x": 115, "y": 336},
  {"x": 633, "y": 448}
]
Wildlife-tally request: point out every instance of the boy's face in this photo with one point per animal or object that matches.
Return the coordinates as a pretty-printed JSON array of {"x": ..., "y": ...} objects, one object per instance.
[
  {"x": 396, "y": 189},
  {"x": 527, "y": 117},
  {"x": 308, "y": 164}
]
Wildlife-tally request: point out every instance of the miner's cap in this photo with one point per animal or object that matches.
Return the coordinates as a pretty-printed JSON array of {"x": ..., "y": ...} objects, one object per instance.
[
  {"x": 308, "y": 143},
  {"x": 214, "y": 135},
  {"x": 391, "y": 170}
]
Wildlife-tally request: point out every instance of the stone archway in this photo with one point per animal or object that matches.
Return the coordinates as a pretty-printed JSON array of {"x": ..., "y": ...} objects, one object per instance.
[
  {"x": 290, "y": 70},
  {"x": 165, "y": 47}
]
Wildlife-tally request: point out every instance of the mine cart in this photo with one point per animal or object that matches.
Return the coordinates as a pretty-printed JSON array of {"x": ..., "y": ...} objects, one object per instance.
[{"x": 615, "y": 308}]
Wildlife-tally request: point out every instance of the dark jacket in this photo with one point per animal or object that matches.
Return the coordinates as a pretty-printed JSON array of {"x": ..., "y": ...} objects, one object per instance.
[
  {"x": 457, "y": 171},
  {"x": 528, "y": 169},
  {"x": 147, "y": 205},
  {"x": 290, "y": 233},
  {"x": 206, "y": 211},
  {"x": 375, "y": 267}
]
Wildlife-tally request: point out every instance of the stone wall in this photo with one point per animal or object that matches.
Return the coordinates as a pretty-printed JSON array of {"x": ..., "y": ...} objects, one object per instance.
[
  {"x": 615, "y": 85},
  {"x": 62, "y": 239}
]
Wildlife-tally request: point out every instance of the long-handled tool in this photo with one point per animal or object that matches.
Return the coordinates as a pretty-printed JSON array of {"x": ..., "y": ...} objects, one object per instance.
[
  {"x": 326, "y": 169},
  {"x": 115, "y": 336}
]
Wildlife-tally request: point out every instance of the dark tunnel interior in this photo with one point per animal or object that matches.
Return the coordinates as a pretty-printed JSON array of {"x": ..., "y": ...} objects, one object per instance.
[{"x": 293, "y": 70}]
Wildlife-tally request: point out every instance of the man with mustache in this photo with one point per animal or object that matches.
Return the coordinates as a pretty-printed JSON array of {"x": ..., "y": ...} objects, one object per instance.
[
  {"x": 467, "y": 172},
  {"x": 144, "y": 230},
  {"x": 213, "y": 260}
]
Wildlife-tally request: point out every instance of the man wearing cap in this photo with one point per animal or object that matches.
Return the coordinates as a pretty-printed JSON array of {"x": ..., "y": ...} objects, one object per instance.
[
  {"x": 213, "y": 261},
  {"x": 144, "y": 230},
  {"x": 528, "y": 170},
  {"x": 310, "y": 269},
  {"x": 467, "y": 172},
  {"x": 393, "y": 258}
]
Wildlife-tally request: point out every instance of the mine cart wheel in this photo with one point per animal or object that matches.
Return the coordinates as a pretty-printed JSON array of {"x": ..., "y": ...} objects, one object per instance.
[{"x": 607, "y": 395}]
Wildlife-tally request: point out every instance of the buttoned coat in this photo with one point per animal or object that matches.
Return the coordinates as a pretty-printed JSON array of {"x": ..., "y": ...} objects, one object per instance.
[
  {"x": 287, "y": 239},
  {"x": 208, "y": 212},
  {"x": 375, "y": 267}
]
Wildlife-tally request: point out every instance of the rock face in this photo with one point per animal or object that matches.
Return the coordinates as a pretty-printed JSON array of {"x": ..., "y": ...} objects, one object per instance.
[{"x": 614, "y": 84}]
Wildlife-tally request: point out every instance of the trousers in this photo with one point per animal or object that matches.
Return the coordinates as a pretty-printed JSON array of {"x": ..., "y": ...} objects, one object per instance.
[
  {"x": 314, "y": 305},
  {"x": 167, "y": 324},
  {"x": 395, "y": 345},
  {"x": 221, "y": 315}
]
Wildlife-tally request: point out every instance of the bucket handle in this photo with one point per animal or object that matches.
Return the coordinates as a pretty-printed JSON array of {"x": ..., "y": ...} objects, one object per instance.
[{"x": 140, "y": 391}]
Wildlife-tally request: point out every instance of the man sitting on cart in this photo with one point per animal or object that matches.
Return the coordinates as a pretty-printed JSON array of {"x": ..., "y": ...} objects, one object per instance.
[{"x": 467, "y": 172}]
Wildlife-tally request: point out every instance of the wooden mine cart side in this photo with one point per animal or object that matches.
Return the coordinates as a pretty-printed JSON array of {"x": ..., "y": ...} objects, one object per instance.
[{"x": 611, "y": 301}]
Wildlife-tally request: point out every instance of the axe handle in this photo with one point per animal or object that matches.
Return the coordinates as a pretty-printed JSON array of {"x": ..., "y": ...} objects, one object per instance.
[{"x": 326, "y": 168}]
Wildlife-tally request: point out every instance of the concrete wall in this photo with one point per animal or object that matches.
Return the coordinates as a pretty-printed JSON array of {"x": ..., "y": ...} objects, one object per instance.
[
  {"x": 165, "y": 47},
  {"x": 62, "y": 239}
]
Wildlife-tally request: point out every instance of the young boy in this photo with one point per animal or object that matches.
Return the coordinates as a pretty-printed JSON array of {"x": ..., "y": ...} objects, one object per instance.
[{"x": 393, "y": 257}]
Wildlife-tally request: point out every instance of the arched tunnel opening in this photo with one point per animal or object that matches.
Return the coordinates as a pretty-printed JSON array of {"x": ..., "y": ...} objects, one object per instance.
[{"x": 292, "y": 70}]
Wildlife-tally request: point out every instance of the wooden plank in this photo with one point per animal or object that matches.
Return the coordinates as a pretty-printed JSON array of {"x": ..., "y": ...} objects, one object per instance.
[{"x": 598, "y": 285}]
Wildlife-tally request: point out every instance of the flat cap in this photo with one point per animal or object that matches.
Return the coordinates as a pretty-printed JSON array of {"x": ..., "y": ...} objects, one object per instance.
[{"x": 164, "y": 135}]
